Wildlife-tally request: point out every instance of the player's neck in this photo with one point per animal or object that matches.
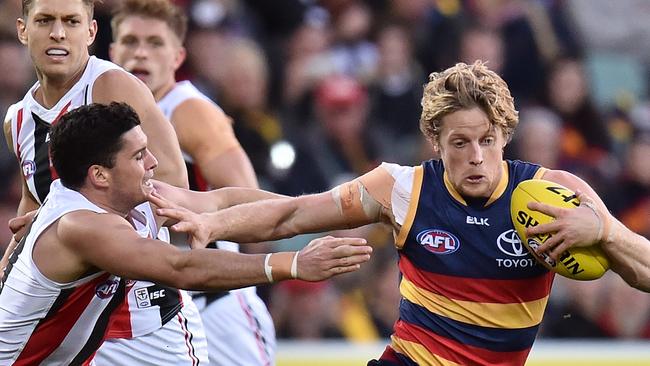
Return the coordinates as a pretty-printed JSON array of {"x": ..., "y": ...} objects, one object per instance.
[
  {"x": 164, "y": 90},
  {"x": 53, "y": 88},
  {"x": 103, "y": 200}
]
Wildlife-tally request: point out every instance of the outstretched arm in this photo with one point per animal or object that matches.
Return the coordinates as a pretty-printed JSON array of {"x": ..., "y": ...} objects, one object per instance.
[
  {"x": 589, "y": 224},
  {"x": 356, "y": 203},
  {"x": 207, "y": 269}
]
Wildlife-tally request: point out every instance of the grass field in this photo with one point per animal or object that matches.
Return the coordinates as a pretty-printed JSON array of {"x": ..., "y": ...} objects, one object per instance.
[{"x": 545, "y": 353}]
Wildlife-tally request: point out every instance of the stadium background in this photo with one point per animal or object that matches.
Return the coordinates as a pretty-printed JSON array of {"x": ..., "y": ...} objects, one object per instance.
[{"x": 320, "y": 91}]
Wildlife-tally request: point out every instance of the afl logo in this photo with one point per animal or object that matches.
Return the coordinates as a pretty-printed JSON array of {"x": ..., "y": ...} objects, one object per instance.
[
  {"x": 438, "y": 241},
  {"x": 510, "y": 244},
  {"x": 106, "y": 289},
  {"x": 29, "y": 168}
]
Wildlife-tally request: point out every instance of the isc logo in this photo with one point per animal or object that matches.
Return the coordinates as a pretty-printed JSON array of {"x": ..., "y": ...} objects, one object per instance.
[{"x": 438, "y": 241}]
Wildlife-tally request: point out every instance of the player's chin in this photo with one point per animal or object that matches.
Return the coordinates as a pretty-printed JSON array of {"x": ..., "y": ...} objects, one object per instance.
[{"x": 480, "y": 190}]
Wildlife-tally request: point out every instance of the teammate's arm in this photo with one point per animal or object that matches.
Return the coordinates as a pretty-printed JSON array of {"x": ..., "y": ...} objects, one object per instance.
[
  {"x": 27, "y": 202},
  {"x": 206, "y": 134},
  {"x": 207, "y": 269},
  {"x": 629, "y": 253},
  {"x": 119, "y": 86},
  {"x": 210, "y": 201},
  {"x": 356, "y": 203}
]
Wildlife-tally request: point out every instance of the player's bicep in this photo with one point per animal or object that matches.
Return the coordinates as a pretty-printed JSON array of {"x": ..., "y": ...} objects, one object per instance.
[
  {"x": 106, "y": 241},
  {"x": 367, "y": 198}
]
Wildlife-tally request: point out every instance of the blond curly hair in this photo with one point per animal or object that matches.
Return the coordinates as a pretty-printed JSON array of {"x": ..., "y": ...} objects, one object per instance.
[{"x": 463, "y": 87}]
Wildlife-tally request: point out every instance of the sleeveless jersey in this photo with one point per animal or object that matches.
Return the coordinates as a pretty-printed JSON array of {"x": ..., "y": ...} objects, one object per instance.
[
  {"x": 31, "y": 122},
  {"x": 148, "y": 306},
  {"x": 471, "y": 293},
  {"x": 30, "y": 126},
  {"x": 43, "y": 322},
  {"x": 182, "y": 91}
]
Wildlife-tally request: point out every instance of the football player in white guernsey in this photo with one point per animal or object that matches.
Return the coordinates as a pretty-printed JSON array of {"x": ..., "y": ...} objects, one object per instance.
[
  {"x": 148, "y": 38},
  {"x": 84, "y": 232},
  {"x": 58, "y": 34}
]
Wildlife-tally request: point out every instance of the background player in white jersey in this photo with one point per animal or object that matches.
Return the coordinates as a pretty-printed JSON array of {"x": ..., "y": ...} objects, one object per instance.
[
  {"x": 57, "y": 34},
  {"x": 105, "y": 167},
  {"x": 148, "y": 40}
]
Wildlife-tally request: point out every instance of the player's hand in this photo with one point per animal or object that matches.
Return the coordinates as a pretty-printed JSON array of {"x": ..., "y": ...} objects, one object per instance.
[
  {"x": 325, "y": 257},
  {"x": 572, "y": 226},
  {"x": 195, "y": 225},
  {"x": 18, "y": 225}
]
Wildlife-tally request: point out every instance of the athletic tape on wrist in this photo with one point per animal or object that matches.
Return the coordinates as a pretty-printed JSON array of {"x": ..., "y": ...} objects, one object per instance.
[
  {"x": 294, "y": 266},
  {"x": 268, "y": 270}
]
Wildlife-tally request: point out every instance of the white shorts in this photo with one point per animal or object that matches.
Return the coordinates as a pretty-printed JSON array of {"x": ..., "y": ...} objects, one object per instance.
[
  {"x": 179, "y": 342},
  {"x": 239, "y": 329}
]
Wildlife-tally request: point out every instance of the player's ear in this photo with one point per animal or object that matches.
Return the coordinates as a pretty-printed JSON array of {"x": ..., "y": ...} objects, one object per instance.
[
  {"x": 92, "y": 32},
  {"x": 98, "y": 176},
  {"x": 180, "y": 57},
  {"x": 21, "y": 30}
]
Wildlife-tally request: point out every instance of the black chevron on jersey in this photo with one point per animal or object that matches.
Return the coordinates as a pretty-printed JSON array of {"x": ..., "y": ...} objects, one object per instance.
[{"x": 43, "y": 175}]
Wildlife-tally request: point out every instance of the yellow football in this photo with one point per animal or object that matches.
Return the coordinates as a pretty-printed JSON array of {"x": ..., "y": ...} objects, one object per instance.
[{"x": 578, "y": 263}]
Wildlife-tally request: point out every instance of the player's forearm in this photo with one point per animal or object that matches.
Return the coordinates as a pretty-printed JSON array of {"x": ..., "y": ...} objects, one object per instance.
[
  {"x": 209, "y": 269},
  {"x": 253, "y": 222},
  {"x": 233, "y": 196},
  {"x": 630, "y": 255}
]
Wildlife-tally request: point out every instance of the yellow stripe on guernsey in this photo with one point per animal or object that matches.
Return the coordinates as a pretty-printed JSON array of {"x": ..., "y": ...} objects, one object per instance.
[
  {"x": 419, "y": 353},
  {"x": 540, "y": 173},
  {"x": 418, "y": 176},
  {"x": 493, "y": 315}
]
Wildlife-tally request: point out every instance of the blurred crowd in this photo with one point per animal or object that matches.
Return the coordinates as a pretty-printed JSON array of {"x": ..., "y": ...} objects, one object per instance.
[{"x": 322, "y": 91}]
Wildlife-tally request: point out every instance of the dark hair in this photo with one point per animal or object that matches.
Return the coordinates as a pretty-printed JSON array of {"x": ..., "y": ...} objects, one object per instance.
[
  {"x": 163, "y": 10},
  {"x": 86, "y": 136}
]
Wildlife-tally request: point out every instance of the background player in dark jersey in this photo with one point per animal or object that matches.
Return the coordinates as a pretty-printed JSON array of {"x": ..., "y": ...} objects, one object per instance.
[{"x": 460, "y": 303}]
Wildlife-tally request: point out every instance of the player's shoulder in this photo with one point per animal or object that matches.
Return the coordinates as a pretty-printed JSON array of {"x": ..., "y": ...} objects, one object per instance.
[{"x": 85, "y": 223}]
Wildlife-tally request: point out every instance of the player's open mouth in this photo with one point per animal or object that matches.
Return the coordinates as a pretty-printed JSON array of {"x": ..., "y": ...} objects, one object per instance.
[
  {"x": 57, "y": 53},
  {"x": 475, "y": 178},
  {"x": 140, "y": 73}
]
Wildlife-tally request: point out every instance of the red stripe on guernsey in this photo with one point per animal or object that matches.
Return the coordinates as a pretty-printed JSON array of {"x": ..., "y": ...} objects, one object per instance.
[
  {"x": 19, "y": 125},
  {"x": 477, "y": 289},
  {"x": 120, "y": 323},
  {"x": 253, "y": 323},
  {"x": 457, "y": 352},
  {"x": 51, "y": 331},
  {"x": 191, "y": 352},
  {"x": 201, "y": 183},
  {"x": 53, "y": 172}
]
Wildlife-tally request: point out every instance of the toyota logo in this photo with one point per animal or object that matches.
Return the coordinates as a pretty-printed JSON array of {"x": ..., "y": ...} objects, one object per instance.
[{"x": 510, "y": 244}]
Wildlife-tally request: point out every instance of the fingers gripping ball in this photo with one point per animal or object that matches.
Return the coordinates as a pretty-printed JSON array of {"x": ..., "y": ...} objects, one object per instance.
[{"x": 578, "y": 263}]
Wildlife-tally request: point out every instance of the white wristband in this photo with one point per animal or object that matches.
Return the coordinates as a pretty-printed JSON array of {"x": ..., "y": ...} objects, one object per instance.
[
  {"x": 268, "y": 270},
  {"x": 294, "y": 266}
]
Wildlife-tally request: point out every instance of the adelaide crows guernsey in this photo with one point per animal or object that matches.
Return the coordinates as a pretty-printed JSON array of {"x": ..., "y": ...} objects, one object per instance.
[
  {"x": 43, "y": 322},
  {"x": 471, "y": 293}
]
